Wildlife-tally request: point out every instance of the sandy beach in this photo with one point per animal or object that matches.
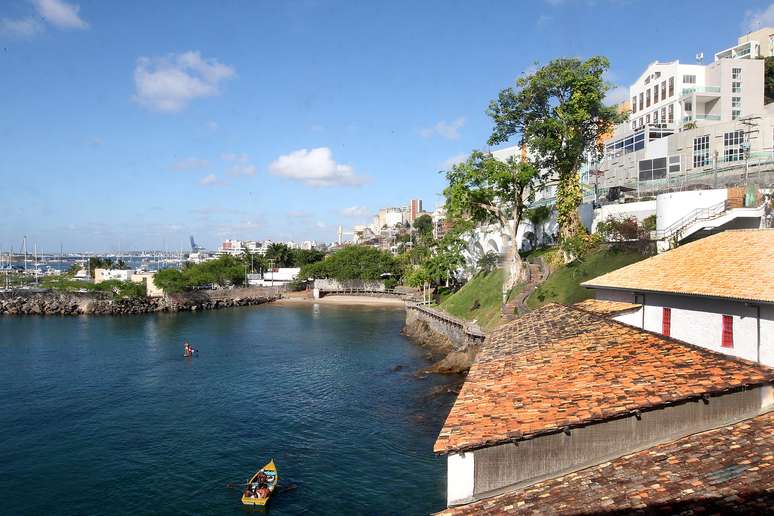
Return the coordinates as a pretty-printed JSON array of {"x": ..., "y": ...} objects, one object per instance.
[{"x": 343, "y": 300}]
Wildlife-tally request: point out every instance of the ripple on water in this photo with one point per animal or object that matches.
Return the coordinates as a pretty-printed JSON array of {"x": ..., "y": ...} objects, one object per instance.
[{"x": 111, "y": 402}]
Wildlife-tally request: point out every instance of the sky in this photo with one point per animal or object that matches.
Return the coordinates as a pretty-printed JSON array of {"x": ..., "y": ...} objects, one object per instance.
[{"x": 132, "y": 125}]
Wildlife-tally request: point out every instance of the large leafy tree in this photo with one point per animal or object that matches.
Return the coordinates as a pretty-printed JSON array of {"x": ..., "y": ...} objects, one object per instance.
[
  {"x": 485, "y": 190},
  {"x": 355, "y": 262},
  {"x": 559, "y": 112},
  {"x": 280, "y": 255}
]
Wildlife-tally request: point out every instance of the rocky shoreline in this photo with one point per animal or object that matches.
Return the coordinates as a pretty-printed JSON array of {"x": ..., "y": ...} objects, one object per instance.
[
  {"x": 60, "y": 303},
  {"x": 447, "y": 359}
]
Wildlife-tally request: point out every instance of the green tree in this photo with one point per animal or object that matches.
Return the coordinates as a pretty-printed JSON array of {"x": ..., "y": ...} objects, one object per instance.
[
  {"x": 424, "y": 228},
  {"x": 170, "y": 280},
  {"x": 558, "y": 112},
  {"x": 301, "y": 257},
  {"x": 768, "y": 79},
  {"x": 97, "y": 262},
  {"x": 353, "y": 262},
  {"x": 279, "y": 254},
  {"x": 447, "y": 260},
  {"x": 487, "y": 262},
  {"x": 484, "y": 190}
]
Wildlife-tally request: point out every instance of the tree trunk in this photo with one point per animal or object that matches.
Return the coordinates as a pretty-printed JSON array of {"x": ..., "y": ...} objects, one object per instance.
[{"x": 515, "y": 268}]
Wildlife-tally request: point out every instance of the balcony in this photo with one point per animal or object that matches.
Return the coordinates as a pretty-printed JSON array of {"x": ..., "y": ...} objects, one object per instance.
[
  {"x": 690, "y": 118},
  {"x": 700, "y": 90}
]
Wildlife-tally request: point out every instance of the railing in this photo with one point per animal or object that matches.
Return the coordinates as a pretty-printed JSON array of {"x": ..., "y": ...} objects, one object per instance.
[
  {"x": 360, "y": 292},
  {"x": 689, "y": 118},
  {"x": 696, "y": 215},
  {"x": 701, "y": 89},
  {"x": 470, "y": 329}
]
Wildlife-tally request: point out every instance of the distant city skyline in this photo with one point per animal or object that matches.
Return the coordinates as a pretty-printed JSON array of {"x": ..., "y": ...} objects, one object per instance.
[{"x": 135, "y": 125}]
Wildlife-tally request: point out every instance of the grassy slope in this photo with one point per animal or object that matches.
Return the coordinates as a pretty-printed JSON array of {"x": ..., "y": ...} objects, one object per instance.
[
  {"x": 563, "y": 285},
  {"x": 484, "y": 288}
]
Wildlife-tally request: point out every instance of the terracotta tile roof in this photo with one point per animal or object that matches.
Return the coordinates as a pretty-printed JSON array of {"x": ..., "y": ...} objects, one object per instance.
[
  {"x": 728, "y": 470},
  {"x": 733, "y": 264},
  {"x": 559, "y": 367},
  {"x": 604, "y": 307}
]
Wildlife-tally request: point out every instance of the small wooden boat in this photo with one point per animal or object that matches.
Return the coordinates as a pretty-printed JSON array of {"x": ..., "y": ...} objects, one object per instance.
[{"x": 250, "y": 496}]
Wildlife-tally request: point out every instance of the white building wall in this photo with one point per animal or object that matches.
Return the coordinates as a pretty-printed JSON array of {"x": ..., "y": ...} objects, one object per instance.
[
  {"x": 699, "y": 321},
  {"x": 671, "y": 207},
  {"x": 460, "y": 478}
]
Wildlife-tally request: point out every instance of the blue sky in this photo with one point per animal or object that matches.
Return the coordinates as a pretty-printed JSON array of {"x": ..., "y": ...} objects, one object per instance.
[{"x": 134, "y": 124}]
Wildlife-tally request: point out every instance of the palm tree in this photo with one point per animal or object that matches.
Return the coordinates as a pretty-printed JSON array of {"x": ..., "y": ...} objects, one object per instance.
[{"x": 488, "y": 262}]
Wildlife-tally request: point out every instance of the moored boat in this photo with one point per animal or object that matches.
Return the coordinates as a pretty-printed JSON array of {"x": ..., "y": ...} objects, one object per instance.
[{"x": 261, "y": 486}]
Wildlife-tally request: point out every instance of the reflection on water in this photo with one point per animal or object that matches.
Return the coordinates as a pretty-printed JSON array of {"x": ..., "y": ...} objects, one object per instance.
[{"x": 111, "y": 406}]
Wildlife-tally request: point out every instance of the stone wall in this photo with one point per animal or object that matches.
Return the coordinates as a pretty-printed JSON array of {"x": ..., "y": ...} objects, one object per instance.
[
  {"x": 455, "y": 339},
  {"x": 97, "y": 303}
]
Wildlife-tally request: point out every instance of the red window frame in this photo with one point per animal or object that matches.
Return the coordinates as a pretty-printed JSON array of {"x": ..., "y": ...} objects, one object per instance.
[
  {"x": 666, "y": 321},
  {"x": 728, "y": 332}
]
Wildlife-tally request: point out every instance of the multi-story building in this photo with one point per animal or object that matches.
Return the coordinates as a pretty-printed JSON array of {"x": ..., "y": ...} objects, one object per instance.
[
  {"x": 414, "y": 209},
  {"x": 753, "y": 45},
  {"x": 687, "y": 119}
]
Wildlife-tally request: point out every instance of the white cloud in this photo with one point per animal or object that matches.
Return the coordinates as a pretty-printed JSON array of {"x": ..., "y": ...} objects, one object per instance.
[
  {"x": 355, "y": 211},
  {"x": 22, "y": 27},
  {"x": 60, "y": 14},
  {"x": 190, "y": 164},
  {"x": 170, "y": 83},
  {"x": 450, "y": 130},
  {"x": 297, "y": 214},
  {"x": 315, "y": 167},
  {"x": 241, "y": 165},
  {"x": 754, "y": 20},
  {"x": 454, "y": 160},
  {"x": 210, "y": 179},
  {"x": 616, "y": 95}
]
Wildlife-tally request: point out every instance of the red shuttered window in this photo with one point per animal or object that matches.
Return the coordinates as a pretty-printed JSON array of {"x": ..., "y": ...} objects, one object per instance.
[
  {"x": 666, "y": 322},
  {"x": 728, "y": 331}
]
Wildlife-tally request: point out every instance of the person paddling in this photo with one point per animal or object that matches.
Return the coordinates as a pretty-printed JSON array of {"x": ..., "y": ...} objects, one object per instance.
[{"x": 188, "y": 351}]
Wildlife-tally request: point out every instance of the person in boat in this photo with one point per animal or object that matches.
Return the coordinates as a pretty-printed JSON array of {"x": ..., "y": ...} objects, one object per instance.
[
  {"x": 262, "y": 478},
  {"x": 187, "y": 352},
  {"x": 263, "y": 491}
]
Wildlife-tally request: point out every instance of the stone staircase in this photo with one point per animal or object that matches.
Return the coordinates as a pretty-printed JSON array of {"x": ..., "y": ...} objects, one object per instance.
[{"x": 536, "y": 273}]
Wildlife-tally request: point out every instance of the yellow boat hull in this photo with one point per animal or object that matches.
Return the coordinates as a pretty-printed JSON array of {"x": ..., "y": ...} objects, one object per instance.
[{"x": 270, "y": 470}]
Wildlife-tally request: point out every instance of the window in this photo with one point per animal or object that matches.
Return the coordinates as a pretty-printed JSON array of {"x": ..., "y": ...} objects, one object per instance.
[
  {"x": 732, "y": 143},
  {"x": 663, "y": 90},
  {"x": 671, "y": 113},
  {"x": 634, "y": 104},
  {"x": 689, "y": 79},
  {"x": 674, "y": 164},
  {"x": 736, "y": 87},
  {"x": 650, "y": 169},
  {"x": 647, "y": 118},
  {"x": 655, "y": 93},
  {"x": 663, "y": 115},
  {"x": 666, "y": 321},
  {"x": 736, "y": 74},
  {"x": 647, "y": 97},
  {"x": 728, "y": 332},
  {"x": 701, "y": 152},
  {"x": 642, "y": 104},
  {"x": 671, "y": 86},
  {"x": 736, "y": 102},
  {"x": 735, "y": 114}
]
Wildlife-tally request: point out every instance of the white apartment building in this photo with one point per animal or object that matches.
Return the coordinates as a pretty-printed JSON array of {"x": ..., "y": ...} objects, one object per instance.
[
  {"x": 687, "y": 119},
  {"x": 753, "y": 45}
]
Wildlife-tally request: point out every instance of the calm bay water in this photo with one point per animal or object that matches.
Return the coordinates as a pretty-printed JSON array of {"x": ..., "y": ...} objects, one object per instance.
[{"x": 104, "y": 415}]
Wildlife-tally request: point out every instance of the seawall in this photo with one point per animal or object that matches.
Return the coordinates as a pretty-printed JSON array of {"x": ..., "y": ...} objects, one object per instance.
[
  {"x": 76, "y": 303},
  {"x": 444, "y": 335}
]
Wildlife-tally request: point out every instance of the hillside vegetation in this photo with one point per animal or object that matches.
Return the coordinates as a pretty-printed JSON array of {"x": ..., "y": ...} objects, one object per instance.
[
  {"x": 478, "y": 300},
  {"x": 563, "y": 285}
]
